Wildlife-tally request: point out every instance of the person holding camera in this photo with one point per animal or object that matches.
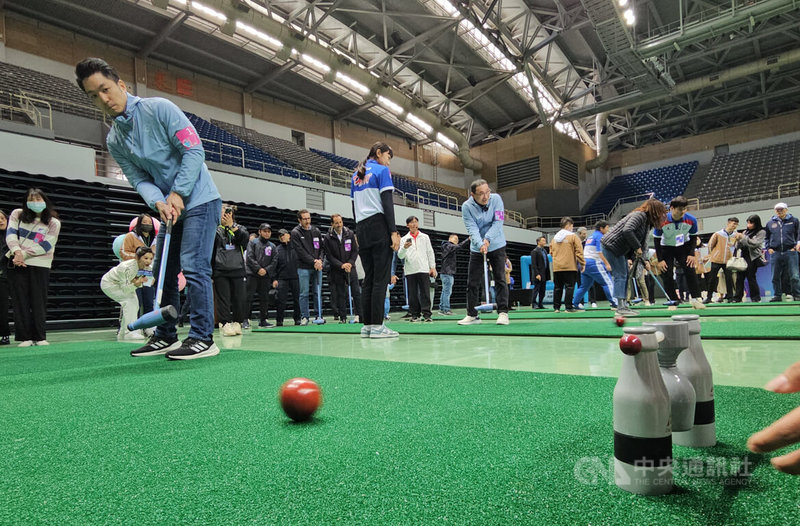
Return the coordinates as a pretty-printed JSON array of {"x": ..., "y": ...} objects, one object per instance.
[
  {"x": 121, "y": 283},
  {"x": 229, "y": 273}
]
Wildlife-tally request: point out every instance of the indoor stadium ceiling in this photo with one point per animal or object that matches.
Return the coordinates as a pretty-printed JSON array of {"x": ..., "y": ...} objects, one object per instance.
[{"x": 485, "y": 68}]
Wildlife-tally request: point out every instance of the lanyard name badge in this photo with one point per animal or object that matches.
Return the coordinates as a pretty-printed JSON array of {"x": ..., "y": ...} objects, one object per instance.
[{"x": 347, "y": 245}]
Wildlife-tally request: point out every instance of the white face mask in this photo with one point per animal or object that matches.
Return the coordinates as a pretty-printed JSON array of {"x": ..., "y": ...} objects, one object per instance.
[{"x": 37, "y": 206}]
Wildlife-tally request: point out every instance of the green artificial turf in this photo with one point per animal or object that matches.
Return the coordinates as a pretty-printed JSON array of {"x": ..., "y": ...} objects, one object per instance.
[
  {"x": 727, "y": 328},
  {"x": 646, "y": 312},
  {"x": 93, "y": 436}
]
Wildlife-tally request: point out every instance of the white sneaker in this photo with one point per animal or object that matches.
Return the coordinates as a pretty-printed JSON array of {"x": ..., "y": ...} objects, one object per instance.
[
  {"x": 303, "y": 322},
  {"x": 697, "y": 303},
  {"x": 594, "y": 305},
  {"x": 382, "y": 331},
  {"x": 131, "y": 336},
  {"x": 469, "y": 320},
  {"x": 237, "y": 328},
  {"x": 26, "y": 343},
  {"x": 366, "y": 330},
  {"x": 502, "y": 318},
  {"x": 228, "y": 330},
  {"x": 356, "y": 319},
  {"x": 42, "y": 342}
]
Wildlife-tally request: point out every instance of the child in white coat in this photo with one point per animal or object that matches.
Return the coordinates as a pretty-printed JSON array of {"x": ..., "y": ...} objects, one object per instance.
[{"x": 120, "y": 284}]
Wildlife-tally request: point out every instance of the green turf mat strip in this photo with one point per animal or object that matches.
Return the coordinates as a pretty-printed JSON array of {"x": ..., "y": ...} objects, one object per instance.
[
  {"x": 645, "y": 312},
  {"x": 93, "y": 436},
  {"x": 731, "y": 328}
]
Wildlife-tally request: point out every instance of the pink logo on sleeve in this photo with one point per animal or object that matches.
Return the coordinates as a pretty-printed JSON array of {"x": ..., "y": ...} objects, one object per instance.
[
  {"x": 39, "y": 237},
  {"x": 188, "y": 137},
  {"x": 500, "y": 215}
]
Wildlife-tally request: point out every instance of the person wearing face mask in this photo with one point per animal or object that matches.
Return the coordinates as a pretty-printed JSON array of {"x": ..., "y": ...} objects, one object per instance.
[
  {"x": 120, "y": 284},
  {"x": 31, "y": 237},
  {"x": 4, "y": 263},
  {"x": 142, "y": 235}
]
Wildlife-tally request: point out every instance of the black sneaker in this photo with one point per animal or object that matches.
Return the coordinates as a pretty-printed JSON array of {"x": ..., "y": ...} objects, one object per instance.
[
  {"x": 156, "y": 346},
  {"x": 776, "y": 299},
  {"x": 265, "y": 324},
  {"x": 428, "y": 320},
  {"x": 5, "y": 340},
  {"x": 246, "y": 324},
  {"x": 192, "y": 348}
]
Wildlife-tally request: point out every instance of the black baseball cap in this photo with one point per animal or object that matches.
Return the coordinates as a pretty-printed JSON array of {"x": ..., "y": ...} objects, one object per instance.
[
  {"x": 265, "y": 226},
  {"x": 282, "y": 231}
]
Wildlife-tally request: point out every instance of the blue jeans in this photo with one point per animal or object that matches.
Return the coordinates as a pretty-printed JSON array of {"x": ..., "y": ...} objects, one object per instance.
[
  {"x": 190, "y": 250},
  {"x": 619, "y": 274},
  {"x": 305, "y": 276},
  {"x": 785, "y": 262},
  {"x": 447, "y": 290}
]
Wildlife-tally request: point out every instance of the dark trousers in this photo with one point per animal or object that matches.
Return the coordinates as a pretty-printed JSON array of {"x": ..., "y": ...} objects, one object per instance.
[
  {"x": 752, "y": 282},
  {"x": 713, "y": 279},
  {"x": 375, "y": 251},
  {"x": 4, "y": 292},
  {"x": 338, "y": 281},
  {"x": 672, "y": 259},
  {"x": 261, "y": 285},
  {"x": 497, "y": 259},
  {"x": 146, "y": 296},
  {"x": 285, "y": 286},
  {"x": 341, "y": 300},
  {"x": 29, "y": 296},
  {"x": 229, "y": 295},
  {"x": 355, "y": 292},
  {"x": 564, "y": 283},
  {"x": 419, "y": 294},
  {"x": 539, "y": 290}
]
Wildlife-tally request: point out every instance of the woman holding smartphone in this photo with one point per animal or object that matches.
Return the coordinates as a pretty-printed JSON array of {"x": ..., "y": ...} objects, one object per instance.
[{"x": 120, "y": 284}]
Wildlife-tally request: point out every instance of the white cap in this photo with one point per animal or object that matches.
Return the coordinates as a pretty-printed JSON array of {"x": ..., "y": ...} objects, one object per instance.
[{"x": 781, "y": 205}]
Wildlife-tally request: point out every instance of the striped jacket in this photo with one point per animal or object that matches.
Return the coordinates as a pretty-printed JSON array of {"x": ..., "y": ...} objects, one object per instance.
[
  {"x": 36, "y": 240},
  {"x": 627, "y": 235}
]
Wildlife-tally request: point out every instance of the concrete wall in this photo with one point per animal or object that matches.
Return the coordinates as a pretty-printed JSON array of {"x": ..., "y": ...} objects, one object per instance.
[{"x": 35, "y": 155}]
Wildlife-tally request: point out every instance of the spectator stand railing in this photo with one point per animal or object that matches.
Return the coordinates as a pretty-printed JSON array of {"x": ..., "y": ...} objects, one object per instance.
[
  {"x": 788, "y": 189},
  {"x": 780, "y": 192},
  {"x": 37, "y": 110},
  {"x": 625, "y": 200},
  {"x": 237, "y": 158},
  {"x": 65, "y": 106},
  {"x": 555, "y": 221}
]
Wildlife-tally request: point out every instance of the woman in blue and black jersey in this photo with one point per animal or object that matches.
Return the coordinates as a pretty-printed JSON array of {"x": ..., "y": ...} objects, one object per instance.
[{"x": 373, "y": 208}]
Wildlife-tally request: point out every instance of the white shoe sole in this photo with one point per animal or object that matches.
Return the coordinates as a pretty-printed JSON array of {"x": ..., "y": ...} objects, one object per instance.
[
  {"x": 165, "y": 350},
  {"x": 474, "y": 322},
  {"x": 211, "y": 351}
]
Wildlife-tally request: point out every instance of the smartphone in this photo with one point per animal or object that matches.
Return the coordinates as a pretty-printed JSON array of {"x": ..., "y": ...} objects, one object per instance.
[{"x": 229, "y": 210}]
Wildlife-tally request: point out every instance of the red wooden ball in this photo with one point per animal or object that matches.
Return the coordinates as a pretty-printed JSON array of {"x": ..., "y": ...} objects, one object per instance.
[
  {"x": 620, "y": 321},
  {"x": 630, "y": 344},
  {"x": 300, "y": 398}
]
